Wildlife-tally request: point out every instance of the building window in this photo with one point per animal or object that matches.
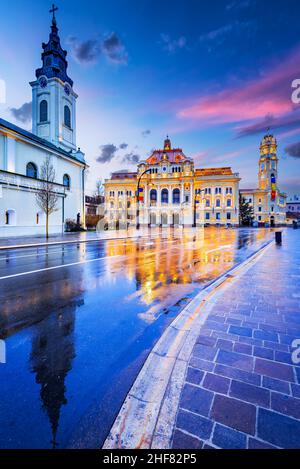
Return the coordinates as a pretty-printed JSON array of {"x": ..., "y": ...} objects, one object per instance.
[
  {"x": 37, "y": 218},
  {"x": 111, "y": 205},
  {"x": 66, "y": 181},
  {"x": 43, "y": 111},
  {"x": 228, "y": 202},
  {"x": 67, "y": 116},
  {"x": 218, "y": 216},
  {"x": 259, "y": 209},
  {"x": 153, "y": 195},
  {"x": 207, "y": 216},
  {"x": 228, "y": 216},
  {"x": 259, "y": 218},
  {"x": 31, "y": 170},
  {"x": 164, "y": 196},
  {"x": 112, "y": 193},
  {"x": 176, "y": 196},
  {"x": 207, "y": 202},
  {"x": 187, "y": 198},
  {"x": 218, "y": 203}
]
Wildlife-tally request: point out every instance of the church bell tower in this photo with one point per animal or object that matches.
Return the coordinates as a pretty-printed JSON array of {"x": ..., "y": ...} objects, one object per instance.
[
  {"x": 53, "y": 97},
  {"x": 268, "y": 165}
]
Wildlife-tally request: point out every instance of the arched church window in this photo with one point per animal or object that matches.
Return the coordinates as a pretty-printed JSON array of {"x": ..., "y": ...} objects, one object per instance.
[
  {"x": 67, "y": 116},
  {"x": 43, "y": 111},
  {"x": 66, "y": 181},
  {"x": 31, "y": 170}
]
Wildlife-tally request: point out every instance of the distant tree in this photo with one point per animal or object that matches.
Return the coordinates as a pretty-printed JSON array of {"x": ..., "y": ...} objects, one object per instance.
[
  {"x": 46, "y": 196},
  {"x": 99, "y": 188},
  {"x": 246, "y": 212}
]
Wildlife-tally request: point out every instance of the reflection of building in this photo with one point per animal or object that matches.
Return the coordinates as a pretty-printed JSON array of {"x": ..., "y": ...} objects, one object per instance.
[
  {"x": 22, "y": 153},
  {"x": 92, "y": 204},
  {"x": 172, "y": 192},
  {"x": 51, "y": 360},
  {"x": 268, "y": 202}
]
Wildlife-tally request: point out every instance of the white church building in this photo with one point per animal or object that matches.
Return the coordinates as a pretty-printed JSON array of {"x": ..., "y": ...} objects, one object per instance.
[{"x": 22, "y": 153}]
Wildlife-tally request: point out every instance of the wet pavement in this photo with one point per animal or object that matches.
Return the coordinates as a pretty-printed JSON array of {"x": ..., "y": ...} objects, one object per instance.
[
  {"x": 242, "y": 386},
  {"x": 79, "y": 320}
]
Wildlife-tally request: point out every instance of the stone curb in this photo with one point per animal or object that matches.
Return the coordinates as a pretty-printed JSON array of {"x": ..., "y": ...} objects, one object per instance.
[{"x": 147, "y": 416}]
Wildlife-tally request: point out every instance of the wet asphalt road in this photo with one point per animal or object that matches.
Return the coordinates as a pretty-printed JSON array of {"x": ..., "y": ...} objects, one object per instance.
[{"x": 79, "y": 320}]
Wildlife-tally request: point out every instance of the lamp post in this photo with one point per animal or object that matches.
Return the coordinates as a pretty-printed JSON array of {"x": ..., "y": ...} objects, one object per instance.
[
  {"x": 195, "y": 205},
  {"x": 138, "y": 199}
]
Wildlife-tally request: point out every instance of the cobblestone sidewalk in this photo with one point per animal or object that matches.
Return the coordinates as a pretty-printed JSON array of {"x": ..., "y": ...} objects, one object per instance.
[{"x": 242, "y": 389}]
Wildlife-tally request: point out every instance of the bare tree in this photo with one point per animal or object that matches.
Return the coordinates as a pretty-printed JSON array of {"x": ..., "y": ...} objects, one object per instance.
[
  {"x": 46, "y": 196},
  {"x": 99, "y": 188}
]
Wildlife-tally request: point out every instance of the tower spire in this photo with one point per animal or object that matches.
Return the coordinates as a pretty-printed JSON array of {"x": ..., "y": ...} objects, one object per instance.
[{"x": 53, "y": 10}]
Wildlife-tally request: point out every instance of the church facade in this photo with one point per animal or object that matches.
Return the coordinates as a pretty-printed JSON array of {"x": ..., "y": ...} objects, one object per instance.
[
  {"x": 172, "y": 192},
  {"x": 268, "y": 202},
  {"x": 53, "y": 135}
]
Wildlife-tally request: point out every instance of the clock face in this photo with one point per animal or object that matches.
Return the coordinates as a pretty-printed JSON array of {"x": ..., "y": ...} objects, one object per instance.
[
  {"x": 43, "y": 82},
  {"x": 67, "y": 89}
]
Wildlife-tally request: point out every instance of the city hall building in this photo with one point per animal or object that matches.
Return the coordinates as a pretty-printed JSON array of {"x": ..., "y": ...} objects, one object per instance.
[
  {"x": 172, "y": 192},
  {"x": 268, "y": 202},
  {"x": 23, "y": 153}
]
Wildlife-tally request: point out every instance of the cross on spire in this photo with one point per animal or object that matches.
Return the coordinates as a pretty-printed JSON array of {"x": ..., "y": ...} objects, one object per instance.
[{"x": 53, "y": 10}]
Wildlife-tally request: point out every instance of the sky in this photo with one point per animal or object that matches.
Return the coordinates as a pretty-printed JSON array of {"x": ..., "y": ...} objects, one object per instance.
[{"x": 214, "y": 76}]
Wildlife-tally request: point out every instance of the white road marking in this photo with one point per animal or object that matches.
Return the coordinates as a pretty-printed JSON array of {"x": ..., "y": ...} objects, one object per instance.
[{"x": 57, "y": 267}]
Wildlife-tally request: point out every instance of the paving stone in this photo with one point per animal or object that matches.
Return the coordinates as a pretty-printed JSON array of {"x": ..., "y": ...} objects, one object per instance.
[
  {"x": 263, "y": 352},
  {"x": 249, "y": 393},
  {"x": 215, "y": 326},
  {"x": 201, "y": 364},
  {"x": 274, "y": 370},
  {"x": 276, "y": 385},
  {"x": 257, "y": 444},
  {"x": 264, "y": 335},
  {"x": 243, "y": 362},
  {"x": 183, "y": 441},
  {"x": 286, "y": 404},
  {"x": 226, "y": 438},
  {"x": 235, "y": 373},
  {"x": 216, "y": 383},
  {"x": 276, "y": 346},
  {"x": 224, "y": 344},
  {"x": 278, "y": 429},
  {"x": 204, "y": 352},
  {"x": 205, "y": 340},
  {"x": 296, "y": 390},
  {"x": 196, "y": 399},
  {"x": 234, "y": 413},
  {"x": 194, "y": 376},
  {"x": 242, "y": 348},
  {"x": 194, "y": 424},
  {"x": 243, "y": 331},
  {"x": 284, "y": 357}
]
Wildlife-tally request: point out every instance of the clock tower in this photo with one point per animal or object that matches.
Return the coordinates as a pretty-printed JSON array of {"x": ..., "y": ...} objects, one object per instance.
[
  {"x": 53, "y": 97},
  {"x": 268, "y": 164}
]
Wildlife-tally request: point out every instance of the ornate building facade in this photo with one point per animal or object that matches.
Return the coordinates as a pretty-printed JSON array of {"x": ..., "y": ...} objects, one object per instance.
[
  {"x": 268, "y": 202},
  {"x": 172, "y": 192},
  {"x": 23, "y": 153}
]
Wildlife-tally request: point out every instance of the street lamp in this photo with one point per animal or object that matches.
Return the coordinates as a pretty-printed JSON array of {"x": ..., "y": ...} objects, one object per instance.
[
  {"x": 138, "y": 199},
  {"x": 195, "y": 202}
]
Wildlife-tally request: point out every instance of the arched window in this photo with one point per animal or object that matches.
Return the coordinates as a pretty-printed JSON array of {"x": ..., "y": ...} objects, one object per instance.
[
  {"x": 228, "y": 202},
  {"x": 66, "y": 181},
  {"x": 176, "y": 196},
  {"x": 10, "y": 217},
  {"x": 153, "y": 195},
  {"x": 165, "y": 196},
  {"x": 207, "y": 202},
  {"x": 43, "y": 111},
  {"x": 31, "y": 170},
  {"x": 218, "y": 203},
  {"x": 67, "y": 116}
]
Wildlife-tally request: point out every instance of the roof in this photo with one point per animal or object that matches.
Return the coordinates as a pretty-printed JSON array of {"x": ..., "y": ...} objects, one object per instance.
[
  {"x": 124, "y": 175},
  {"x": 41, "y": 141},
  {"x": 174, "y": 155},
  {"x": 226, "y": 171}
]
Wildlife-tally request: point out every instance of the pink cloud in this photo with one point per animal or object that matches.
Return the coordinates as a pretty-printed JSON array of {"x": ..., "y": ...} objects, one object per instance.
[{"x": 267, "y": 97}]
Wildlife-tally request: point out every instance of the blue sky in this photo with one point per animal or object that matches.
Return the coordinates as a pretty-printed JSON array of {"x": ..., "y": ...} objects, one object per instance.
[{"x": 213, "y": 75}]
